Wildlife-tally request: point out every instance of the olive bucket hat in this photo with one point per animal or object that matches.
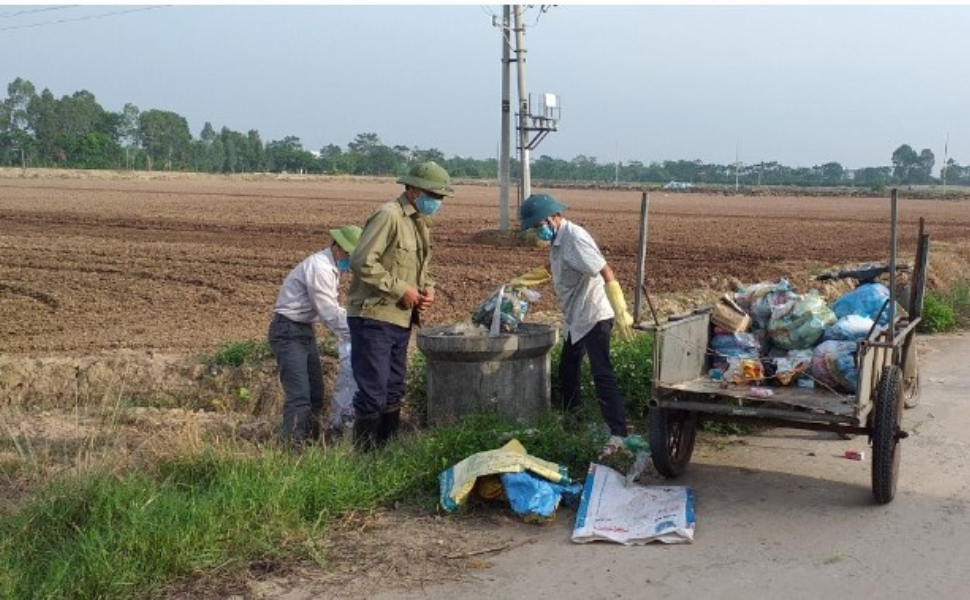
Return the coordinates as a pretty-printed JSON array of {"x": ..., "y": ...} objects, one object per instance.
[
  {"x": 346, "y": 237},
  {"x": 536, "y": 208},
  {"x": 430, "y": 177}
]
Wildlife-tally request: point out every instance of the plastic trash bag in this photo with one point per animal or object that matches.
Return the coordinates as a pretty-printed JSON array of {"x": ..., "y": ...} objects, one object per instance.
[
  {"x": 515, "y": 303},
  {"x": 344, "y": 389},
  {"x": 801, "y": 322},
  {"x": 849, "y": 328},
  {"x": 790, "y": 366},
  {"x": 740, "y": 344},
  {"x": 457, "y": 482},
  {"x": 743, "y": 371},
  {"x": 834, "y": 364},
  {"x": 866, "y": 301},
  {"x": 760, "y": 298},
  {"x": 536, "y": 499}
]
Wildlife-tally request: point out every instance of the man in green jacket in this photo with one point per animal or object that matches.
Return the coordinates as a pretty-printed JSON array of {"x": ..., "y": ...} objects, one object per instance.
[{"x": 390, "y": 289}]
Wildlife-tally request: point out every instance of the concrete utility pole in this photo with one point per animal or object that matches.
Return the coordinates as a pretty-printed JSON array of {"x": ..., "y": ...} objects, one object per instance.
[
  {"x": 526, "y": 185},
  {"x": 504, "y": 162},
  {"x": 946, "y": 148},
  {"x": 737, "y": 165}
]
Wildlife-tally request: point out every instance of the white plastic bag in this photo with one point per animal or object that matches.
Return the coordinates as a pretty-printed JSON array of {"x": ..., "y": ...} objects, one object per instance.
[{"x": 344, "y": 389}]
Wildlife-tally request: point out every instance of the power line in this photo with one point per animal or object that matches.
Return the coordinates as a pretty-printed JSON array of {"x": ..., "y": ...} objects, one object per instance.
[
  {"x": 89, "y": 17},
  {"x": 32, "y": 11}
]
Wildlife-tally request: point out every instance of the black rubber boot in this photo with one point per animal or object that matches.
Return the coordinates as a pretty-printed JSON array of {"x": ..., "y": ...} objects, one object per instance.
[
  {"x": 390, "y": 423},
  {"x": 366, "y": 431}
]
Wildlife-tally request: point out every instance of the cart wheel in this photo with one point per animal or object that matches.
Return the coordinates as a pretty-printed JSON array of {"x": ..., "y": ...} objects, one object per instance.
[
  {"x": 885, "y": 434},
  {"x": 672, "y": 434},
  {"x": 911, "y": 378}
]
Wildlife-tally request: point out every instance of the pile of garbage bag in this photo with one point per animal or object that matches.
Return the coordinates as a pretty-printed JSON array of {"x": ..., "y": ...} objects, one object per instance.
[{"x": 798, "y": 339}]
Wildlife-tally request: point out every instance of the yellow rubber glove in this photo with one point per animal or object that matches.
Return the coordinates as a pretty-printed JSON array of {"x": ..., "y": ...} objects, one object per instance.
[
  {"x": 536, "y": 276},
  {"x": 622, "y": 320}
]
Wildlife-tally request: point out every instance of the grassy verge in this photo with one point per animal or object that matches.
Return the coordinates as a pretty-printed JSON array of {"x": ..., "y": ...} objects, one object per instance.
[
  {"x": 109, "y": 535},
  {"x": 946, "y": 310}
]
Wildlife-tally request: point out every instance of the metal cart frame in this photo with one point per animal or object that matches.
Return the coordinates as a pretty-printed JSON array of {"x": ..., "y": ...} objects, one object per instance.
[{"x": 684, "y": 395}]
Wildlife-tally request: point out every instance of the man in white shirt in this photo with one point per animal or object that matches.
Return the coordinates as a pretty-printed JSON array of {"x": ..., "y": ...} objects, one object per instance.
[
  {"x": 592, "y": 304},
  {"x": 309, "y": 294}
]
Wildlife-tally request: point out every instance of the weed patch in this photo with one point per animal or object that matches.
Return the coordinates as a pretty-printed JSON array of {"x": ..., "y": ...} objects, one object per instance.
[
  {"x": 239, "y": 353},
  {"x": 110, "y": 535}
]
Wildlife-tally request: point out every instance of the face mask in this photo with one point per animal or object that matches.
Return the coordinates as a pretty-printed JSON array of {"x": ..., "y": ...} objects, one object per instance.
[
  {"x": 344, "y": 264},
  {"x": 546, "y": 233},
  {"x": 427, "y": 205}
]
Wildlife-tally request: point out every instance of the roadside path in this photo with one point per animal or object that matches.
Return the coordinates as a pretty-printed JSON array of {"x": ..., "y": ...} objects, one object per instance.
[{"x": 782, "y": 514}]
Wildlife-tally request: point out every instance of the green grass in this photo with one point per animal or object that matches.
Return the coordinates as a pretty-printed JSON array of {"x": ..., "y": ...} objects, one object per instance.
[
  {"x": 239, "y": 353},
  {"x": 105, "y": 535},
  {"x": 938, "y": 314},
  {"x": 236, "y": 353},
  {"x": 633, "y": 365},
  {"x": 946, "y": 310}
]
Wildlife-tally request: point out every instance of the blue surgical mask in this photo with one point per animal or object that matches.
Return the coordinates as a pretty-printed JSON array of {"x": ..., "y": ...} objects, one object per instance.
[
  {"x": 427, "y": 205},
  {"x": 546, "y": 233},
  {"x": 344, "y": 264}
]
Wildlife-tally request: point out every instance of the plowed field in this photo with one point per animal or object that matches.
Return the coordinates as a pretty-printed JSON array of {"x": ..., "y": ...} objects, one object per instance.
[{"x": 181, "y": 263}]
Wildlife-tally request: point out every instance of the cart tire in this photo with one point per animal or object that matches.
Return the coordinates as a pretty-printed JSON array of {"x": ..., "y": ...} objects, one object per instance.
[
  {"x": 885, "y": 429},
  {"x": 672, "y": 434},
  {"x": 911, "y": 377}
]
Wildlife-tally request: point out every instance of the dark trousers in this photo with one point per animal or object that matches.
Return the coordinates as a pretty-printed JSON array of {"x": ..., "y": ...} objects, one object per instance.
[
  {"x": 596, "y": 345},
  {"x": 301, "y": 376},
  {"x": 379, "y": 357}
]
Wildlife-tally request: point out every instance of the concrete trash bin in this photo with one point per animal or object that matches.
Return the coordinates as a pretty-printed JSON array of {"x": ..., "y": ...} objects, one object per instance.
[{"x": 472, "y": 372}]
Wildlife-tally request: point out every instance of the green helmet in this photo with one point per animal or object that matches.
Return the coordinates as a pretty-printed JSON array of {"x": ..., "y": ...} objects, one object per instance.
[
  {"x": 430, "y": 177},
  {"x": 536, "y": 208},
  {"x": 346, "y": 237}
]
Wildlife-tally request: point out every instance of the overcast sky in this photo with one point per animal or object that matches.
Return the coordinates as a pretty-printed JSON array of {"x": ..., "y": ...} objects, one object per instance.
[{"x": 800, "y": 85}]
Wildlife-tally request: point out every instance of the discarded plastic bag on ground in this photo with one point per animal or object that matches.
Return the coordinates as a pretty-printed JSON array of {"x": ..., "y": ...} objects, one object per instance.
[
  {"x": 344, "y": 388},
  {"x": 515, "y": 303},
  {"x": 456, "y": 482},
  {"x": 610, "y": 510},
  {"x": 536, "y": 499}
]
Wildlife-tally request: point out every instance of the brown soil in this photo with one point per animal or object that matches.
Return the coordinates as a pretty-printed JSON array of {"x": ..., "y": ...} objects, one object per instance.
[
  {"x": 112, "y": 285},
  {"x": 178, "y": 264}
]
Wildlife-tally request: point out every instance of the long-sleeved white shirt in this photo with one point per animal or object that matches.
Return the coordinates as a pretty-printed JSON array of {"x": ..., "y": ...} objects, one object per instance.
[
  {"x": 576, "y": 263},
  {"x": 310, "y": 291}
]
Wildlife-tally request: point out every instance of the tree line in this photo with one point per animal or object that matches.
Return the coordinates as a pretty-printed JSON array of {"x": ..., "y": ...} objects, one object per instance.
[{"x": 40, "y": 130}]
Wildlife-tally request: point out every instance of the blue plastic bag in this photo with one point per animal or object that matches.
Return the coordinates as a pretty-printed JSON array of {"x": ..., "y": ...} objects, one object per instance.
[
  {"x": 532, "y": 496},
  {"x": 850, "y": 327},
  {"x": 865, "y": 301}
]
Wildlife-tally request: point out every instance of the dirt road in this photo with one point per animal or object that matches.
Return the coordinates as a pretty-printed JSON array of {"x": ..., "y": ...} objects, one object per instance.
[{"x": 782, "y": 515}]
